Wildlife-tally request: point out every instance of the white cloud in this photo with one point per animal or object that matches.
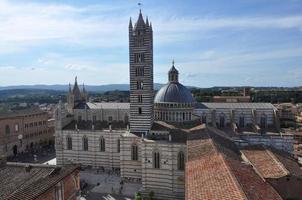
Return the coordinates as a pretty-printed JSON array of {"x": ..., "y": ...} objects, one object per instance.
[{"x": 27, "y": 24}]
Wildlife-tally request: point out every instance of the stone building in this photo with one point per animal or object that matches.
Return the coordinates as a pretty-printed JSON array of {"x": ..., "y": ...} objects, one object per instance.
[
  {"x": 147, "y": 139},
  {"x": 25, "y": 130}
]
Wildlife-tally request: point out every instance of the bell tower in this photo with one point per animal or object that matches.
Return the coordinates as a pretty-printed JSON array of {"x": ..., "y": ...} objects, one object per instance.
[{"x": 141, "y": 75}]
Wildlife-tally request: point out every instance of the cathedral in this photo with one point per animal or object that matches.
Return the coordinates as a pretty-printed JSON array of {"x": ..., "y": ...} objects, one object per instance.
[{"x": 146, "y": 140}]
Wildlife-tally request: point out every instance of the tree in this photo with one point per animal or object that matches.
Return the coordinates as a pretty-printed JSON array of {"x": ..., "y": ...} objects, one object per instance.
[{"x": 138, "y": 196}]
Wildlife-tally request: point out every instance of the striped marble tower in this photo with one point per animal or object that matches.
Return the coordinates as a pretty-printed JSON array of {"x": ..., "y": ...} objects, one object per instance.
[{"x": 141, "y": 75}]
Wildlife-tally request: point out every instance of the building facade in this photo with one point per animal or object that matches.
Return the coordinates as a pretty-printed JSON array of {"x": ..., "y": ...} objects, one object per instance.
[
  {"x": 146, "y": 139},
  {"x": 25, "y": 130}
]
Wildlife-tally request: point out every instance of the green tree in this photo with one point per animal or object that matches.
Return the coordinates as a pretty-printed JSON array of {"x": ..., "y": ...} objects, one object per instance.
[{"x": 138, "y": 196}]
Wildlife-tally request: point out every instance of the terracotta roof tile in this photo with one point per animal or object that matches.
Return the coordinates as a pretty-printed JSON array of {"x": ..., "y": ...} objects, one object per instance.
[
  {"x": 210, "y": 178},
  {"x": 265, "y": 163},
  {"x": 214, "y": 170}
]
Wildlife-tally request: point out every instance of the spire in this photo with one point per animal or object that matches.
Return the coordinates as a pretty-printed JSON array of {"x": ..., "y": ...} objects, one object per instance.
[
  {"x": 76, "y": 80},
  {"x": 130, "y": 24},
  {"x": 140, "y": 21},
  {"x": 76, "y": 90},
  {"x": 147, "y": 21},
  {"x": 173, "y": 73},
  {"x": 84, "y": 88}
]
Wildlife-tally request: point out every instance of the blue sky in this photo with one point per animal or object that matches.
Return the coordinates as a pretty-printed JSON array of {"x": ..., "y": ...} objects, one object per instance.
[{"x": 213, "y": 43}]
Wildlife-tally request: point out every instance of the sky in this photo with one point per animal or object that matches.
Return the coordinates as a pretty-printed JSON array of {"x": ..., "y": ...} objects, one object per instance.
[{"x": 213, "y": 42}]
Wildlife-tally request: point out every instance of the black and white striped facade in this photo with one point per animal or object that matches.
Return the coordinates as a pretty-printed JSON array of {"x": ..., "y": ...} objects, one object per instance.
[{"x": 141, "y": 75}]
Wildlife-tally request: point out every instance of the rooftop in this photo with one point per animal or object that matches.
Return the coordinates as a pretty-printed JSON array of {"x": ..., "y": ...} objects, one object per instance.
[
  {"x": 21, "y": 113},
  {"x": 271, "y": 163},
  {"x": 235, "y": 105},
  {"x": 104, "y": 105},
  {"x": 29, "y": 181},
  {"x": 214, "y": 170}
]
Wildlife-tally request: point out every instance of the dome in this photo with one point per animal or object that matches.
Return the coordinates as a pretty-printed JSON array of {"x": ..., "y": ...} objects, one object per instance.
[{"x": 173, "y": 92}]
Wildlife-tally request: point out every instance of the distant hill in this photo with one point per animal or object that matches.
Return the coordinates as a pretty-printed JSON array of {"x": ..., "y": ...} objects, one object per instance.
[{"x": 89, "y": 88}]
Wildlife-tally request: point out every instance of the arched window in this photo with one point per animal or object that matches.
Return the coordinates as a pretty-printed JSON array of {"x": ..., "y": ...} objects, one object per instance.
[
  {"x": 156, "y": 160},
  {"x": 221, "y": 121},
  {"x": 7, "y": 129},
  {"x": 241, "y": 121},
  {"x": 118, "y": 145},
  {"x": 102, "y": 144},
  {"x": 180, "y": 161},
  {"x": 134, "y": 152},
  {"x": 85, "y": 143},
  {"x": 263, "y": 123},
  {"x": 69, "y": 143}
]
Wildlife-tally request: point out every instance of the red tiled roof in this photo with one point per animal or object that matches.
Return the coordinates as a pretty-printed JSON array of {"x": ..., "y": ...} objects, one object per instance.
[
  {"x": 265, "y": 163},
  {"x": 213, "y": 172},
  {"x": 209, "y": 178}
]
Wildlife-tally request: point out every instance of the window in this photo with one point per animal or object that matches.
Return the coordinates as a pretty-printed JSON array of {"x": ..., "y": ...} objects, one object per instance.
[
  {"x": 94, "y": 118},
  {"x": 140, "y": 98},
  {"x": 7, "y": 129},
  {"x": 16, "y": 128},
  {"x": 263, "y": 123},
  {"x": 85, "y": 143},
  {"x": 140, "y": 110},
  {"x": 134, "y": 152},
  {"x": 110, "y": 118},
  {"x": 139, "y": 71},
  {"x": 181, "y": 161},
  {"x": 221, "y": 121},
  {"x": 139, "y": 85},
  {"x": 139, "y": 57},
  {"x": 118, "y": 145},
  {"x": 156, "y": 160},
  {"x": 241, "y": 121},
  {"x": 102, "y": 144},
  {"x": 69, "y": 143},
  {"x": 79, "y": 118}
]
